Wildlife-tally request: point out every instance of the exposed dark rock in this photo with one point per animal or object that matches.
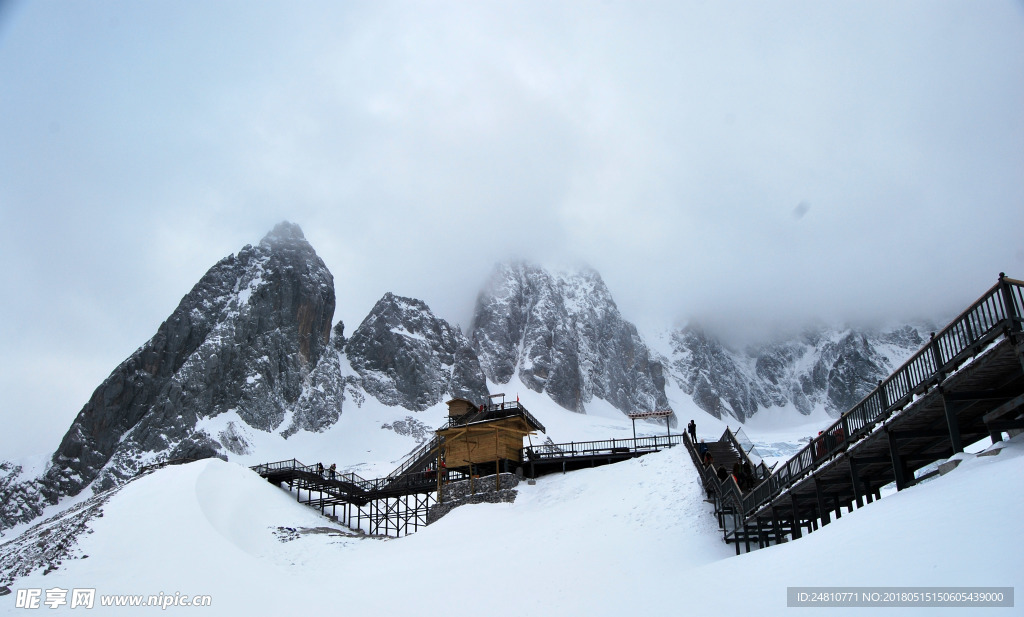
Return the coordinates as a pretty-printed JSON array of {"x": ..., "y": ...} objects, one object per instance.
[
  {"x": 406, "y": 356},
  {"x": 564, "y": 336},
  {"x": 410, "y": 427},
  {"x": 480, "y": 490},
  {"x": 46, "y": 545}
]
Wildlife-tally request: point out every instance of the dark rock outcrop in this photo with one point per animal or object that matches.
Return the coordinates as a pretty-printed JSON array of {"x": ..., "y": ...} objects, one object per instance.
[
  {"x": 564, "y": 336},
  {"x": 480, "y": 490},
  {"x": 407, "y": 356},
  {"x": 717, "y": 380}
]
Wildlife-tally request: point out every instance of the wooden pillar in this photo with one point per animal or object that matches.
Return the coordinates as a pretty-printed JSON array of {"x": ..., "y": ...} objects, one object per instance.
[
  {"x": 898, "y": 468},
  {"x": 822, "y": 509},
  {"x": 951, "y": 408},
  {"x": 1014, "y": 325},
  {"x": 855, "y": 481},
  {"x": 440, "y": 496},
  {"x": 936, "y": 357},
  {"x": 796, "y": 517}
]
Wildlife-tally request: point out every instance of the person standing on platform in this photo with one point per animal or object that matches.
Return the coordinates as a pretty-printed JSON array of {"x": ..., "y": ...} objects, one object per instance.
[{"x": 692, "y": 428}]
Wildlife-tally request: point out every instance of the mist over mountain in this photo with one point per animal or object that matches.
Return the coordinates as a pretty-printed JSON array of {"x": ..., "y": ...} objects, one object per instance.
[{"x": 253, "y": 346}]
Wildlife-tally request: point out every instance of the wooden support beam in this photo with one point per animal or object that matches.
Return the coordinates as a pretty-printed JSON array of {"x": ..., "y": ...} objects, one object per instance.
[
  {"x": 840, "y": 481},
  {"x": 795, "y": 528},
  {"x": 897, "y": 463},
  {"x": 822, "y": 509},
  {"x": 917, "y": 434},
  {"x": 743, "y": 526},
  {"x": 873, "y": 460},
  {"x": 1006, "y": 425},
  {"x": 971, "y": 396},
  {"x": 858, "y": 494},
  {"x": 1004, "y": 409},
  {"x": 951, "y": 408}
]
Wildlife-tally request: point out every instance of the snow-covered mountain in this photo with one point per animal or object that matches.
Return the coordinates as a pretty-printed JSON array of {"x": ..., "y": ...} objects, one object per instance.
[
  {"x": 249, "y": 338},
  {"x": 563, "y": 335},
  {"x": 821, "y": 368},
  {"x": 250, "y": 343},
  {"x": 249, "y": 359}
]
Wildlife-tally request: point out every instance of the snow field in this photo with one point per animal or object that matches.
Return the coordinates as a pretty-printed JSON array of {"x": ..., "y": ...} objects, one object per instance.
[{"x": 610, "y": 540}]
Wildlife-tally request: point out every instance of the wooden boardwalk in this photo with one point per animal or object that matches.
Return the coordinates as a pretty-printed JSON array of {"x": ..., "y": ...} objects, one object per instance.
[
  {"x": 965, "y": 385},
  {"x": 560, "y": 458}
]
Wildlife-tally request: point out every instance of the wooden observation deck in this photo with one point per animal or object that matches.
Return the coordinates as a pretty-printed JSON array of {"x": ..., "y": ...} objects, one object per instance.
[{"x": 486, "y": 439}]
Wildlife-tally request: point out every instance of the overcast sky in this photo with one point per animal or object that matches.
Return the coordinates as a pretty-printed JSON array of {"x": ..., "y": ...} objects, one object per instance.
[{"x": 724, "y": 161}]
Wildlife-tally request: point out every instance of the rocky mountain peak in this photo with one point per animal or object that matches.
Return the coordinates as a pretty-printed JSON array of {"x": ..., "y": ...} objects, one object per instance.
[
  {"x": 563, "y": 335},
  {"x": 283, "y": 234},
  {"x": 408, "y": 356},
  {"x": 249, "y": 338}
]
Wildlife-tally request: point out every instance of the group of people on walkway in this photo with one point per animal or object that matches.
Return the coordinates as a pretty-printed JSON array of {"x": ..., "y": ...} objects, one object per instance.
[
  {"x": 742, "y": 473},
  {"x": 331, "y": 471},
  {"x": 705, "y": 454}
]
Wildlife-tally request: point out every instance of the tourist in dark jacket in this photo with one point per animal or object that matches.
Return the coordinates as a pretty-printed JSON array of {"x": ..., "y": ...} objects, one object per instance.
[
  {"x": 737, "y": 473},
  {"x": 747, "y": 479}
]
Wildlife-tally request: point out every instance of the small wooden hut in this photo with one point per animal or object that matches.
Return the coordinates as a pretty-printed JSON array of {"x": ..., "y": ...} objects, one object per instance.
[{"x": 482, "y": 439}]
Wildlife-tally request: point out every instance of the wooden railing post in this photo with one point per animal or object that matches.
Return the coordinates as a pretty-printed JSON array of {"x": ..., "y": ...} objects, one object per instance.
[
  {"x": 933, "y": 343},
  {"x": 1009, "y": 304},
  {"x": 1014, "y": 326}
]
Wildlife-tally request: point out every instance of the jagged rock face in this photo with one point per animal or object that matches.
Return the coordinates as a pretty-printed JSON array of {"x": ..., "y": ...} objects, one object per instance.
[
  {"x": 407, "y": 356},
  {"x": 252, "y": 336},
  {"x": 832, "y": 369},
  {"x": 716, "y": 380},
  {"x": 564, "y": 336}
]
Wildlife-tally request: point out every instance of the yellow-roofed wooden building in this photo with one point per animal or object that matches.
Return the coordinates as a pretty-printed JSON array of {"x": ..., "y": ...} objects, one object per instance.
[{"x": 482, "y": 439}]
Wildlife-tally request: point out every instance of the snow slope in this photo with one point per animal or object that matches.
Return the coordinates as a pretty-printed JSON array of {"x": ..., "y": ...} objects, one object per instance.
[{"x": 630, "y": 537}]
